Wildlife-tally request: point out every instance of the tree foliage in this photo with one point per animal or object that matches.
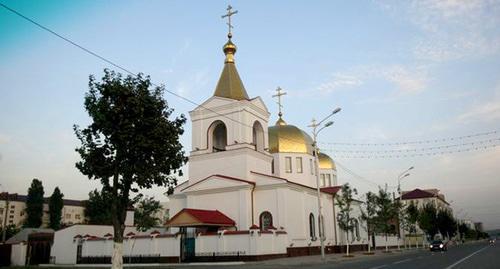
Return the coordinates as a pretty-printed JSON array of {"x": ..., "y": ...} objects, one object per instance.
[
  {"x": 412, "y": 214},
  {"x": 97, "y": 209},
  {"x": 55, "y": 209},
  {"x": 446, "y": 223},
  {"x": 34, "y": 205},
  {"x": 10, "y": 230},
  {"x": 145, "y": 214},
  {"x": 344, "y": 202},
  {"x": 427, "y": 220},
  {"x": 386, "y": 212},
  {"x": 130, "y": 144}
]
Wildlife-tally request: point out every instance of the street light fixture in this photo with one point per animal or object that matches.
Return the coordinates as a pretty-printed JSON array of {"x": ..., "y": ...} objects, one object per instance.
[
  {"x": 314, "y": 125},
  {"x": 400, "y": 177}
]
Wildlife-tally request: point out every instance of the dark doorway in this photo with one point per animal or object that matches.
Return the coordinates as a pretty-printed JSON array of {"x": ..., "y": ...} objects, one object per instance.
[
  {"x": 39, "y": 248},
  {"x": 187, "y": 244}
]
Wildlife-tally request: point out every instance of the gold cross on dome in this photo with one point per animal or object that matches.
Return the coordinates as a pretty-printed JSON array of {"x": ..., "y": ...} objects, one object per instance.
[
  {"x": 279, "y": 93},
  {"x": 228, "y": 15}
]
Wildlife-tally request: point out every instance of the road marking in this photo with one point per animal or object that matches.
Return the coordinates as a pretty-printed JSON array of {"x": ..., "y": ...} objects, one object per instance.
[
  {"x": 402, "y": 261},
  {"x": 378, "y": 267},
  {"x": 465, "y": 258}
]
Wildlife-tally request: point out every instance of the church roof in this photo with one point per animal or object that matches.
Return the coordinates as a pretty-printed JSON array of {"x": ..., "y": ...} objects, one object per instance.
[
  {"x": 189, "y": 217},
  {"x": 325, "y": 162},
  {"x": 230, "y": 84},
  {"x": 289, "y": 138},
  {"x": 331, "y": 190}
]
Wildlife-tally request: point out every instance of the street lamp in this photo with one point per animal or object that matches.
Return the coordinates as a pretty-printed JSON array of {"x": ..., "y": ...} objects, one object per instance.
[
  {"x": 400, "y": 177},
  {"x": 317, "y": 128}
]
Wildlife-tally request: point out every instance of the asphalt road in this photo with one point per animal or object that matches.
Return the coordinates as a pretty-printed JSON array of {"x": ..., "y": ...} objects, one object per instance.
[{"x": 474, "y": 256}]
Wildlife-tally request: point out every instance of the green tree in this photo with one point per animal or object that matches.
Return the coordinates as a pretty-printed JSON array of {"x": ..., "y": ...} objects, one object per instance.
[
  {"x": 145, "y": 214},
  {"x": 10, "y": 230},
  {"x": 369, "y": 216},
  {"x": 55, "y": 209},
  {"x": 130, "y": 144},
  {"x": 446, "y": 223},
  {"x": 427, "y": 220},
  {"x": 344, "y": 202},
  {"x": 412, "y": 218},
  {"x": 97, "y": 209},
  {"x": 34, "y": 205},
  {"x": 386, "y": 213}
]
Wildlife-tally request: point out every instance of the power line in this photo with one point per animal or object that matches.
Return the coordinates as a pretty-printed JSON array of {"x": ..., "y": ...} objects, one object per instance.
[
  {"x": 470, "y": 149},
  {"x": 480, "y": 142},
  {"x": 130, "y": 72},
  {"x": 209, "y": 109},
  {"x": 428, "y": 141},
  {"x": 357, "y": 176}
]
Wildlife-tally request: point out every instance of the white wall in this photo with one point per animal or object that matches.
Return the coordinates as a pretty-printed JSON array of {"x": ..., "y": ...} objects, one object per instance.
[
  {"x": 391, "y": 240},
  {"x": 162, "y": 246},
  {"x": 255, "y": 243},
  {"x": 18, "y": 254},
  {"x": 64, "y": 246}
]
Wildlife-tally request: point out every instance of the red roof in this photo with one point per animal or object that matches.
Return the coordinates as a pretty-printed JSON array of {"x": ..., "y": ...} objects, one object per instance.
[
  {"x": 331, "y": 190},
  {"x": 205, "y": 217},
  {"x": 417, "y": 194}
]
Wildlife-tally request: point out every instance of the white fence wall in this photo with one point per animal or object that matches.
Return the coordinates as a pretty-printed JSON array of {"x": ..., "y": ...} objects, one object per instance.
[
  {"x": 18, "y": 254},
  {"x": 253, "y": 243},
  {"x": 148, "y": 246},
  {"x": 392, "y": 240}
]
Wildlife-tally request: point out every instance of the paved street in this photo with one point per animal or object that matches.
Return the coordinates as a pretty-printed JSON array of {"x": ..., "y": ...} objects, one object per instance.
[{"x": 474, "y": 255}]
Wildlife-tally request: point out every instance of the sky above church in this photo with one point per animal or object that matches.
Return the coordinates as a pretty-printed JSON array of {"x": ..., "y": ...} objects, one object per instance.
[{"x": 416, "y": 80}]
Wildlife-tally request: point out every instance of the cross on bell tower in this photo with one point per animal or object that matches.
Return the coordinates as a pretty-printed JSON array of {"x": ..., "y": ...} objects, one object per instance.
[
  {"x": 228, "y": 15},
  {"x": 279, "y": 93}
]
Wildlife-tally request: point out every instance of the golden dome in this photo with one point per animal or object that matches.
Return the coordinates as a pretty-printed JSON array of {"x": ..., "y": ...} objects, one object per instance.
[
  {"x": 325, "y": 162},
  {"x": 288, "y": 138}
]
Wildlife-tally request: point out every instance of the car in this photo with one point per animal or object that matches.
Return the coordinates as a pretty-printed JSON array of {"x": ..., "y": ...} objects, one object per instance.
[
  {"x": 492, "y": 241},
  {"x": 438, "y": 245}
]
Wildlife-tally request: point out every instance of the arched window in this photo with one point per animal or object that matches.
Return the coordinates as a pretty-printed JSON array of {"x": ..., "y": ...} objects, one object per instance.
[
  {"x": 218, "y": 136},
  {"x": 356, "y": 229},
  {"x": 258, "y": 136},
  {"x": 312, "y": 227},
  {"x": 266, "y": 220}
]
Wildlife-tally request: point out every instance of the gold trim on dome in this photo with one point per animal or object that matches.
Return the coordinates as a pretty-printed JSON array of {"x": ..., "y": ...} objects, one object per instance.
[
  {"x": 289, "y": 139},
  {"x": 325, "y": 162}
]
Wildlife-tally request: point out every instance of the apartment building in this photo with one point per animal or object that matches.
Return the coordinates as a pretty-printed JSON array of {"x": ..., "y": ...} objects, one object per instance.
[{"x": 13, "y": 205}]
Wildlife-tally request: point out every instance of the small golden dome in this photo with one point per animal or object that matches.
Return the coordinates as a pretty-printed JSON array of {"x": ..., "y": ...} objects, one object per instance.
[
  {"x": 325, "y": 162},
  {"x": 288, "y": 138},
  {"x": 229, "y": 50}
]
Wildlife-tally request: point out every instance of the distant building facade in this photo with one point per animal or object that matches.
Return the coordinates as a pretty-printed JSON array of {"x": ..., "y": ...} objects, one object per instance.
[
  {"x": 422, "y": 197},
  {"x": 13, "y": 205}
]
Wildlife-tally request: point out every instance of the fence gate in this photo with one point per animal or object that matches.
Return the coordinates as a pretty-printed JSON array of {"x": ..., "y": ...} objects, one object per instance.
[
  {"x": 187, "y": 244},
  {"x": 39, "y": 248}
]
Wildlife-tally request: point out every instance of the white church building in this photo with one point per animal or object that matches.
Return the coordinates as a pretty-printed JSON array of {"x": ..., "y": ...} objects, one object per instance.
[
  {"x": 251, "y": 193},
  {"x": 249, "y": 178}
]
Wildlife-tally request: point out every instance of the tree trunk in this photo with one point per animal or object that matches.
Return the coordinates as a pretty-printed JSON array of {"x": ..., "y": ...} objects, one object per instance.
[
  {"x": 386, "y": 246},
  {"x": 347, "y": 241},
  {"x": 369, "y": 243},
  {"x": 117, "y": 259}
]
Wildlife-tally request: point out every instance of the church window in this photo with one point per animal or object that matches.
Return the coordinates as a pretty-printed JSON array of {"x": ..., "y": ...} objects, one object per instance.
[
  {"x": 312, "y": 227},
  {"x": 322, "y": 177},
  {"x": 288, "y": 164},
  {"x": 328, "y": 180},
  {"x": 299, "y": 164},
  {"x": 258, "y": 136},
  {"x": 266, "y": 220},
  {"x": 272, "y": 167},
  {"x": 311, "y": 166},
  {"x": 218, "y": 138}
]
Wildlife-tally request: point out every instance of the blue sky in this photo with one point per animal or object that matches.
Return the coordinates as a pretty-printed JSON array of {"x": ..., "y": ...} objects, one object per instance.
[{"x": 400, "y": 70}]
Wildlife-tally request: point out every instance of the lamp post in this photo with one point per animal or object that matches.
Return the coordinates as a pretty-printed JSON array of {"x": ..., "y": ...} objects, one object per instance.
[
  {"x": 400, "y": 177},
  {"x": 317, "y": 128}
]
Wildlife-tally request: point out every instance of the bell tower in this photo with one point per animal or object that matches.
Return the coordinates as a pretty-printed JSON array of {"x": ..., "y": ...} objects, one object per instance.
[{"x": 229, "y": 129}]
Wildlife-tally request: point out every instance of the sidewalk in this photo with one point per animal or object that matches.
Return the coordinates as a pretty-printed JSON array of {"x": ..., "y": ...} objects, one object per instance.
[{"x": 337, "y": 257}]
